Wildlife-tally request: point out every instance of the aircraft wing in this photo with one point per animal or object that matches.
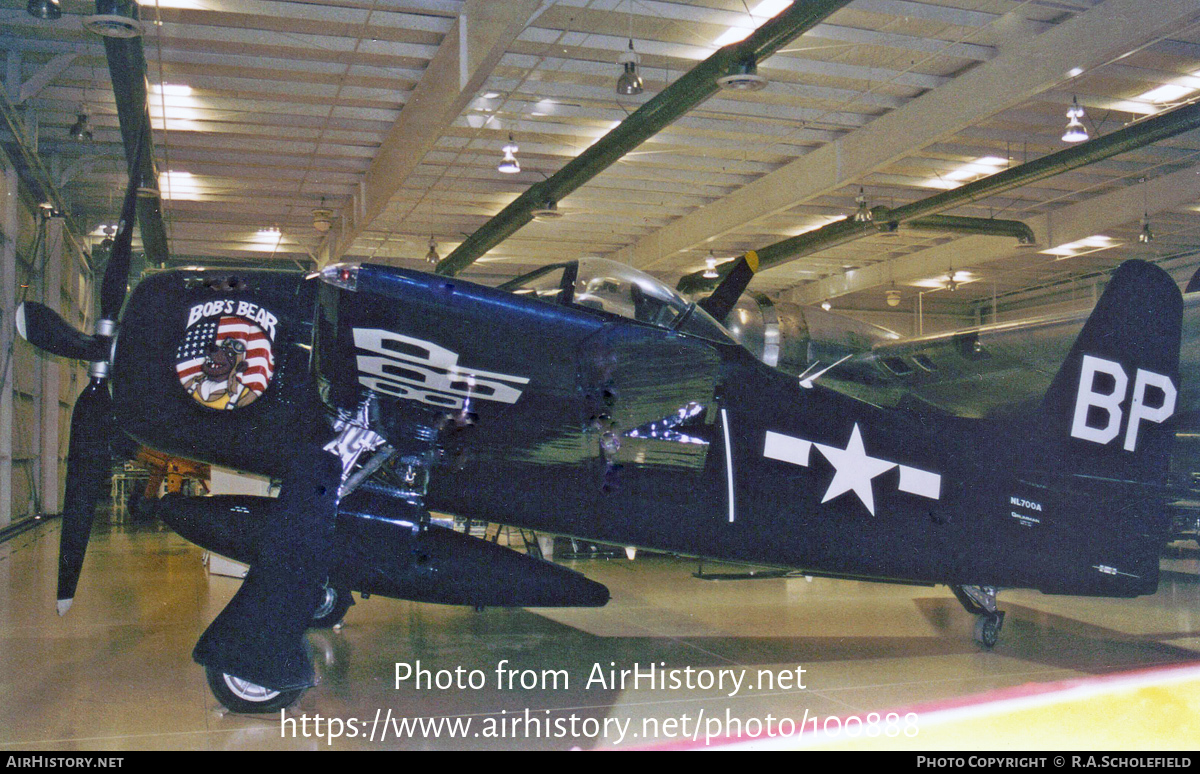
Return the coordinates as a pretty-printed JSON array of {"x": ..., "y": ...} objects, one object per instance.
[{"x": 992, "y": 371}]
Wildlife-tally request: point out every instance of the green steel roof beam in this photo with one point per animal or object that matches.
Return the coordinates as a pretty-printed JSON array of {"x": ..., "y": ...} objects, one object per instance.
[
  {"x": 672, "y": 102},
  {"x": 1148, "y": 131}
]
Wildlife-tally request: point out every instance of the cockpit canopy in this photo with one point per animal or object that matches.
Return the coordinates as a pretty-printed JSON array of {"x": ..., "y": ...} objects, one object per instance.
[{"x": 617, "y": 289}]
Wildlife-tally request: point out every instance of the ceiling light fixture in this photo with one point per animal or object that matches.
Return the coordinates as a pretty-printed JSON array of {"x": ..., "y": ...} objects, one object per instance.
[
  {"x": 546, "y": 212},
  {"x": 432, "y": 256},
  {"x": 81, "y": 130},
  {"x": 114, "y": 19},
  {"x": 1147, "y": 236},
  {"x": 970, "y": 171},
  {"x": 744, "y": 77},
  {"x": 1167, "y": 93},
  {"x": 760, "y": 13},
  {"x": 630, "y": 81},
  {"x": 862, "y": 214},
  {"x": 44, "y": 9},
  {"x": 826, "y": 305},
  {"x": 1076, "y": 131},
  {"x": 1091, "y": 244},
  {"x": 322, "y": 220},
  {"x": 267, "y": 238},
  {"x": 509, "y": 165},
  {"x": 710, "y": 267}
]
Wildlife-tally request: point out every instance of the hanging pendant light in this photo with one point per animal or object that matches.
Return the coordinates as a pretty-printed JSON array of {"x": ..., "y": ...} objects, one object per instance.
[
  {"x": 1147, "y": 236},
  {"x": 630, "y": 81},
  {"x": 862, "y": 214},
  {"x": 1076, "y": 131},
  {"x": 509, "y": 164},
  {"x": 710, "y": 270},
  {"x": 81, "y": 130},
  {"x": 432, "y": 256}
]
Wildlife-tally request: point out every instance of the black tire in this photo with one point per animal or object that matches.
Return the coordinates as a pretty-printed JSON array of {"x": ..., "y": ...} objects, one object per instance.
[
  {"x": 239, "y": 695},
  {"x": 987, "y": 631},
  {"x": 333, "y": 607}
]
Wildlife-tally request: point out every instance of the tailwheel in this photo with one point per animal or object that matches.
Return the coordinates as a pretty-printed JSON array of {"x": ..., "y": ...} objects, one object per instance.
[
  {"x": 987, "y": 629},
  {"x": 336, "y": 601},
  {"x": 238, "y": 695},
  {"x": 980, "y": 601}
]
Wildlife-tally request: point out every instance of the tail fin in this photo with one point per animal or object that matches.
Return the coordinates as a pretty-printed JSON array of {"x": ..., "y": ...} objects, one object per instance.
[{"x": 1108, "y": 411}]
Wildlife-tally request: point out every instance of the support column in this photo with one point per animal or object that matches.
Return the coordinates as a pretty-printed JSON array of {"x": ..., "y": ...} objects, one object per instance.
[
  {"x": 51, "y": 281},
  {"x": 8, "y": 290}
]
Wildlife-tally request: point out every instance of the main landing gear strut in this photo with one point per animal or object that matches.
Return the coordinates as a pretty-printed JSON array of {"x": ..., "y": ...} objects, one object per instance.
[{"x": 981, "y": 601}]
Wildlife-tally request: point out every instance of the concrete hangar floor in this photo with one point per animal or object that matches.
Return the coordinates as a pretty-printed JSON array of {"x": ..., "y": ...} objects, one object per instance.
[{"x": 116, "y": 673}]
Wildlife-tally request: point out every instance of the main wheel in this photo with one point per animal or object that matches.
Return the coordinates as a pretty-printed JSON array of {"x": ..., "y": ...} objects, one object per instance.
[
  {"x": 333, "y": 607},
  {"x": 238, "y": 695}
]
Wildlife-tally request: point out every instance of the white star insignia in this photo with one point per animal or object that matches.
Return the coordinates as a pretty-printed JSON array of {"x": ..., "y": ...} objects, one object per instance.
[{"x": 854, "y": 470}]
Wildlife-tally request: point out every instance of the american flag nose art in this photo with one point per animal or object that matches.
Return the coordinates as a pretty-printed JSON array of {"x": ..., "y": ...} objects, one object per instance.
[{"x": 219, "y": 375}]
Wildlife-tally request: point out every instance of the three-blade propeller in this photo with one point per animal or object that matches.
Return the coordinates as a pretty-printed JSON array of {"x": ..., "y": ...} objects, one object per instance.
[{"x": 88, "y": 456}]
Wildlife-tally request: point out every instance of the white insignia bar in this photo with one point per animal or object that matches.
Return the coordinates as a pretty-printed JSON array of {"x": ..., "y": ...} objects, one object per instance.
[{"x": 854, "y": 469}]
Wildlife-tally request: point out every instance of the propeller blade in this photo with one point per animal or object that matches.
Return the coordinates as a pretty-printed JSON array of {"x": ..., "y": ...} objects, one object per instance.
[
  {"x": 45, "y": 329},
  {"x": 116, "y": 273},
  {"x": 87, "y": 479},
  {"x": 89, "y": 455},
  {"x": 720, "y": 303},
  {"x": 259, "y": 636}
]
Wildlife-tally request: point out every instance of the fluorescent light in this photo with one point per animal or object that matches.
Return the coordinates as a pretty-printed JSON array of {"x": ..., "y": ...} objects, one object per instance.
[
  {"x": 182, "y": 110},
  {"x": 934, "y": 283},
  {"x": 270, "y": 235},
  {"x": 1166, "y": 93},
  {"x": 760, "y": 13},
  {"x": 1083, "y": 246},
  {"x": 179, "y": 186},
  {"x": 172, "y": 89},
  {"x": 824, "y": 220},
  {"x": 265, "y": 239},
  {"x": 191, "y": 5},
  {"x": 972, "y": 170}
]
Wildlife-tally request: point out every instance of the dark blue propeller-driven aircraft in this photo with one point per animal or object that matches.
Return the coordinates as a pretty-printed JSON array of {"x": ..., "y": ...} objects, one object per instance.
[{"x": 591, "y": 400}]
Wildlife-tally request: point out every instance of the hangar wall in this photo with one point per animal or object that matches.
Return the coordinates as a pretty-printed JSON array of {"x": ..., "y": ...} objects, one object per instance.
[{"x": 40, "y": 260}]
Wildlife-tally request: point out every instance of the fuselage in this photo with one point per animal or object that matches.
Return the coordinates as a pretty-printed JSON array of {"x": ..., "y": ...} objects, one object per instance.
[{"x": 577, "y": 421}]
